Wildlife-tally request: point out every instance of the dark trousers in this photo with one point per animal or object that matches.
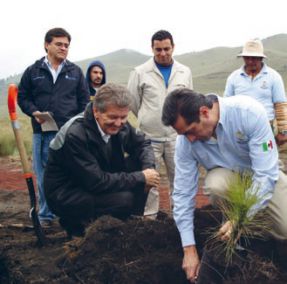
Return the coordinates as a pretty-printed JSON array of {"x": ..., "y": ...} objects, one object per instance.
[
  {"x": 119, "y": 204},
  {"x": 82, "y": 207}
]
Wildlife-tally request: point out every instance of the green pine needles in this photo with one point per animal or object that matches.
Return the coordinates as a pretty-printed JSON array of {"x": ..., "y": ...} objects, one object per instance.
[{"x": 235, "y": 207}]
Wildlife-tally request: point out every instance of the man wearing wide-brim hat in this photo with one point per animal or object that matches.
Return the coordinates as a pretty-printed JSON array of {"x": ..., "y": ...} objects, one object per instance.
[{"x": 257, "y": 80}]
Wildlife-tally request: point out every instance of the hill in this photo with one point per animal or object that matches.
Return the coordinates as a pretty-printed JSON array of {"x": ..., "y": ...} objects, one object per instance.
[
  {"x": 210, "y": 67},
  {"x": 118, "y": 64}
]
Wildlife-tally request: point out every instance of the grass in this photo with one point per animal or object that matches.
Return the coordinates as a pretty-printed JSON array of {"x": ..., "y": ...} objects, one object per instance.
[
  {"x": 7, "y": 139},
  {"x": 7, "y": 145},
  {"x": 235, "y": 208}
]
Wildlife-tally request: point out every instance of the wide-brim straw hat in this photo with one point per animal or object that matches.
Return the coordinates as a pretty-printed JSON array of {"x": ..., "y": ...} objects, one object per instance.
[{"x": 253, "y": 48}]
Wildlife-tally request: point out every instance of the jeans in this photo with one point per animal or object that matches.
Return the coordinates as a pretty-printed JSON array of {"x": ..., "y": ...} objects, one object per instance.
[{"x": 41, "y": 142}]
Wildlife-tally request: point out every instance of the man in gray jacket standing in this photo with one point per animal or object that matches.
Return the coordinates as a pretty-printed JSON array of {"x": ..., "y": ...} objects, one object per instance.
[{"x": 149, "y": 85}]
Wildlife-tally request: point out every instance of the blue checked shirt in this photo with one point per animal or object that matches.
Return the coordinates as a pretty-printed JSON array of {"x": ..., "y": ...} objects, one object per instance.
[
  {"x": 267, "y": 87},
  {"x": 243, "y": 134}
]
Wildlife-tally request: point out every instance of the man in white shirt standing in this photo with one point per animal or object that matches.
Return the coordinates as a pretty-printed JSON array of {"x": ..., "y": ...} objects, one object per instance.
[{"x": 149, "y": 85}]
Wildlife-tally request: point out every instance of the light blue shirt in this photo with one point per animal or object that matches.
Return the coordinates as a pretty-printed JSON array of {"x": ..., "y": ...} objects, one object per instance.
[
  {"x": 267, "y": 87},
  {"x": 243, "y": 132}
]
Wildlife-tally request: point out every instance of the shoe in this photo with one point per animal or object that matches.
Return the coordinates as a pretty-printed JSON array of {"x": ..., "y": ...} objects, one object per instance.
[{"x": 46, "y": 223}]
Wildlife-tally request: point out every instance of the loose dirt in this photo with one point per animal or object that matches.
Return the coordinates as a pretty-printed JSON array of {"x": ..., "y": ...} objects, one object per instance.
[{"x": 113, "y": 251}]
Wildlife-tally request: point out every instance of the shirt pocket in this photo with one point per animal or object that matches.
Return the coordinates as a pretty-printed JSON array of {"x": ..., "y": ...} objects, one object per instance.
[{"x": 180, "y": 82}]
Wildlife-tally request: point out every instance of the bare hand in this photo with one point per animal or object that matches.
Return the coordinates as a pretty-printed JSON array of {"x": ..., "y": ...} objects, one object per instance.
[
  {"x": 152, "y": 178},
  {"x": 147, "y": 188},
  {"x": 225, "y": 231},
  {"x": 190, "y": 263},
  {"x": 280, "y": 139},
  {"x": 38, "y": 119}
]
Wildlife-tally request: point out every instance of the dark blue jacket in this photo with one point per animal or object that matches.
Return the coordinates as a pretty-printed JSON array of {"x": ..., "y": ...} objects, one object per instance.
[
  {"x": 91, "y": 65},
  {"x": 64, "y": 99}
]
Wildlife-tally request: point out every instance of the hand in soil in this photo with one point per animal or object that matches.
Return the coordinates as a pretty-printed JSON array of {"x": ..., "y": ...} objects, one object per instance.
[
  {"x": 191, "y": 263},
  {"x": 225, "y": 231}
]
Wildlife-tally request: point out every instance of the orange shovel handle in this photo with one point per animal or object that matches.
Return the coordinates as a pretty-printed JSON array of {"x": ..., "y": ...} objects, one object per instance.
[{"x": 12, "y": 101}]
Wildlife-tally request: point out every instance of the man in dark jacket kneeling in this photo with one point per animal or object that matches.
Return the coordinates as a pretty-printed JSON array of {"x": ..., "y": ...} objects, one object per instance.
[{"x": 99, "y": 164}]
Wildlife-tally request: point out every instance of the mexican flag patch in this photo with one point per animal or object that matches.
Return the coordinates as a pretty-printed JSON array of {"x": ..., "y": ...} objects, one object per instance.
[{"x": 267, "y": 146}]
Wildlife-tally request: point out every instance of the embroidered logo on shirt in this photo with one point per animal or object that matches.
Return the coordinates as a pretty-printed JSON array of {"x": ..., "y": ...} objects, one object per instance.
[
  {"x": 267, "y": 146},
  {"x": 240, "y": 135},
  {"x": 264, "y": 85}
]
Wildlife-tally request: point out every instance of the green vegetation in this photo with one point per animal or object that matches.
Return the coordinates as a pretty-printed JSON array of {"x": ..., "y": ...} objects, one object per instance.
[
  {"x": 7, "y": 145},
  {"x": 7, "y": 139},
  {"x": 235, "y": 207}
]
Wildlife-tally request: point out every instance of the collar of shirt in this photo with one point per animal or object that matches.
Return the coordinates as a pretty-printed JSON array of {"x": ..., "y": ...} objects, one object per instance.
[
  {"x": 221, "y": 111},
  {"x": 105, "y": 136},
  {"x": 221, "y": 119},
  {"x": 55, "y": 73}
]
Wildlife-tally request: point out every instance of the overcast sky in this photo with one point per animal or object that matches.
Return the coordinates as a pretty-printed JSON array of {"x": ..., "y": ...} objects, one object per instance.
[{"x": 98, "y": 27}]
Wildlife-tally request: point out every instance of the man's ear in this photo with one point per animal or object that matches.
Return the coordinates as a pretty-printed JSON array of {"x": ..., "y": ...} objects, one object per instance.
[
  {"x": 204, "y": 111},
  {"x": 46, "y": 46},
  {"x": 95, "y": 112}
]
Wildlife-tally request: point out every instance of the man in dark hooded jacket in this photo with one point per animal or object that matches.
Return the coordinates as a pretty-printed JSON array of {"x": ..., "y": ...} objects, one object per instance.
[
  {"x": 96, "y": 77},
  {"x": 99, "y": 164}
]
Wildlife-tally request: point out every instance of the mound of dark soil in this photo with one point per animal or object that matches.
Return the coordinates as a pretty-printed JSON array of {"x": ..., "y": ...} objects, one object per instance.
[
  {"x": 126, "y": 252},
  {"x": 131, "y": 252}
]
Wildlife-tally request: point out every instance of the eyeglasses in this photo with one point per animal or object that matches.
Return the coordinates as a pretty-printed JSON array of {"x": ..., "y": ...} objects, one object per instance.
[
  {"x": 62, "y": 44},
  {"x": 166, "y": 49}
]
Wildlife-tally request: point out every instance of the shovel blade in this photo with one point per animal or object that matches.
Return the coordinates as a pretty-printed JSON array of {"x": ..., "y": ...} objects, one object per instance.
[{"x": 37, "y": 227}]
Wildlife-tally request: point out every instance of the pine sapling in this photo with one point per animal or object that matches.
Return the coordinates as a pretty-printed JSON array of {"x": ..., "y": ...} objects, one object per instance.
[{"x": 235, "y": 207}]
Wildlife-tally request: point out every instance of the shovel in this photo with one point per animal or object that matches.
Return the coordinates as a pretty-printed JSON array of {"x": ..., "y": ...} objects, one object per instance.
[{"x": 12, "y": 102}]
